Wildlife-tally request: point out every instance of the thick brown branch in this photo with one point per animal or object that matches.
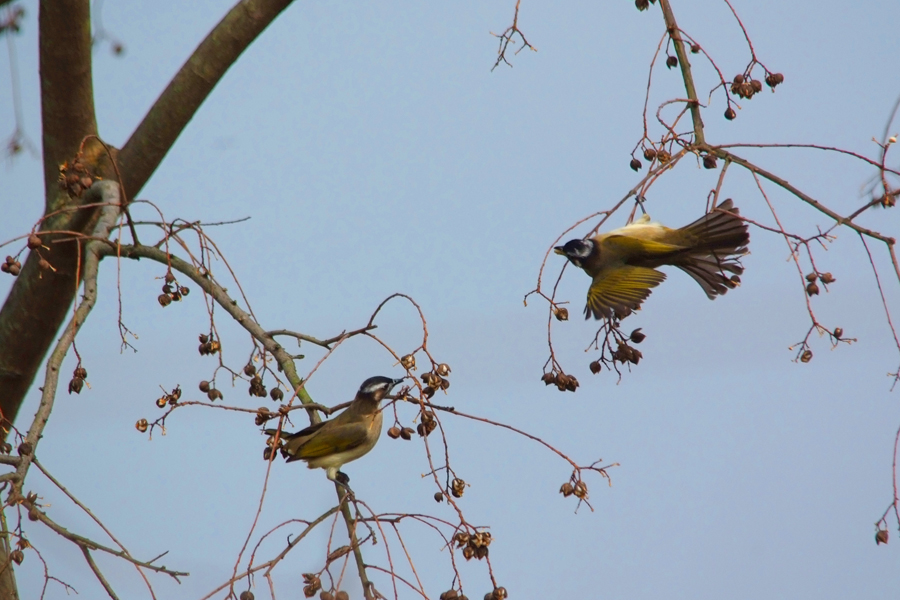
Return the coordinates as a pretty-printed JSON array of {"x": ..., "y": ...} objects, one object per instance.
[
  {"x": 177, "y": 105},
  {"x": 685, "y": 64}
]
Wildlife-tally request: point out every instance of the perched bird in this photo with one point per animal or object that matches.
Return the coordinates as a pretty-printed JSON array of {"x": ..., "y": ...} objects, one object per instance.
[
  {"x": 623, "y": 262},
  {"x": 353, "y": 433}
]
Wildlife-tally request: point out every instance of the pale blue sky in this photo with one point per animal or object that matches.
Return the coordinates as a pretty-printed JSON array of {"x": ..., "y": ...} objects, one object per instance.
[{"x": 376, "y": 152}]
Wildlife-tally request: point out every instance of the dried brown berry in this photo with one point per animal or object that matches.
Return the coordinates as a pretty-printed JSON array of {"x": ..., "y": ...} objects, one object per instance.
[
  {"x": 548, "y": 378},
  {"x": 80, "y": 372},
  {"x": 408, "y": 362},
  {"x": 25, "y": 448},
  {"x": 164, "y": 300},
  {"x": 342, "y": 595},
  {"x": 811, "y": 277},
  {"x": 76, "y": 385},
  {"x": 730, "y": 114},
  {"x": 499, "y": 593},
  {"x": 635, "y": 164},
  {"x": 393, "y": 432},
  {"x": 561, "y": 313},
  {"x": 642, "y": 4},
  {"x": 406, "y": 433},
  {"x": 827, "y": 278},
  {"x": 580, "y": 491},
  {"x": 457, "y": 487},
  {"x": 567, "y": 489},
  {"x": 141, "y": 425},
  {"x": 709, "y": 161},
  {"x": 169, "y": 277},
  {"x": 756, "y": 84},
  {"x": 649, "y": 154},
  {"x": 326, "y": 596},
  {"x": 481, "y": 552},
  {"x": 17, "y": 556},
  {"x": 249, "y": 370},
  {"x": 468, "y": 552},
  {"x": 838, "y": 332},
  {"x": 812, "y": 289},
  {"x": 203, "y": 338},
  {"x": 438, "y": 497},
  {"x": 806, "y": 356},
  {"x": 34, "y": 514},
  {"x": 204, "y": 386},
  {"x": 162, "y": 401},
  {"x": 595, "y": 367},
  {"x": 695, "y": 48},
  {"x": 881, "y": 537},
  {"x": 449, "y": 595},
  {"x": 445, "y": 384},
  {"x": 572, "y": 383},
  {"x": 246, "y": 595},
  {"x": 671, "y": 61},
  {"x": 276, "y": 394},
  {"x": 738, "y": 79},
  {"x": 443, "y": 369},
  {"x": 184, "y": 290},
  {"x": 34, "y": 242},
  {"x": 637, "y": 336}
]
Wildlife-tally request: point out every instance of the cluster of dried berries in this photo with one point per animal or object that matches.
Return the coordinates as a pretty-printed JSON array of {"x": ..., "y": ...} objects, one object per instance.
[
  {"x": 208, "y": 389},
  {"x": 172, "y": 292},
  {"x": 11, "y": 266},
  {"x": 745, "y": 86},
  {"x": 313, "y": 584},
  {"x": 78, "y": 377},
  {"x": 75, "y": 178},
  {"x": 457, "y": 487},
  {"x": 141, "y": 425},
  {"x": 562, "y": 381},
  {"x": 811, "y": 288},
  {"x": 208, "y": 345},
  {"x": 575, "y": 488},
  {"x": 169, "y": 399},
  {"x": 474, "y": 545},
  {"x": 436, "y": 380},
  {"x": 627, "y": 354},
  {"x": 398, "y": 432},
  {"x": 427, "y": 424},
  {"x": 452, "y": 595},
  {"x": 881, "y": 536},
  {"x": 562, "y": 313},
  {"x": 256, "y": 385},
  {"x": 643, "y": 4}
]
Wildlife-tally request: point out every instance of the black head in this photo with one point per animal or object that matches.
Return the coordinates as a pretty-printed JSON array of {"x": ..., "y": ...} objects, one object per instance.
[
  {"x": 576, "y": 250},
  {"x": 378, "y": 386}
]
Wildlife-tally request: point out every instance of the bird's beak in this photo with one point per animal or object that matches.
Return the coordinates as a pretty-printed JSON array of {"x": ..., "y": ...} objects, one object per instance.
[
  {"x": 559, "y": 250},
  {"x": 396, "y": 382}
]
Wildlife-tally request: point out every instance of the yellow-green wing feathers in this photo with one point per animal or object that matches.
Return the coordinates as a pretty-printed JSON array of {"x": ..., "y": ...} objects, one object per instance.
[
  {"x": 339, "y": 438},
  {"x": 620, "y": 290}
]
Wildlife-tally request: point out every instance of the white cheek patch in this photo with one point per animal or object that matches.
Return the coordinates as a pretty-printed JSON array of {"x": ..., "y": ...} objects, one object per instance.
[
  {"x": 586, "y": 250},
  {"x": 373, "y": 387}
]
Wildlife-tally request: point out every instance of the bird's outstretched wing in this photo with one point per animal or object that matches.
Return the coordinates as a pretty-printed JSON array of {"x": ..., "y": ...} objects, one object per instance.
[
  {"x": 336, "y": 439},
  {"x": 620, "y": 290}
]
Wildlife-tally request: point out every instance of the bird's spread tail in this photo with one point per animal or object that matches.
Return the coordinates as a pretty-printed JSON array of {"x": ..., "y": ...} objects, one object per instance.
[{"x": 722, "y": 238}]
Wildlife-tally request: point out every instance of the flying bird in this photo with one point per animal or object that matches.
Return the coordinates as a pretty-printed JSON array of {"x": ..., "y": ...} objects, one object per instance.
[
  {"x": 622, "y": 263},
  {"x": 353, "y": 433}
]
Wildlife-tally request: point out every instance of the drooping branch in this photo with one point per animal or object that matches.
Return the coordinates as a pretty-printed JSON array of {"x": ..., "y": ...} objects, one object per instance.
[{"x": 176, "y": 106}]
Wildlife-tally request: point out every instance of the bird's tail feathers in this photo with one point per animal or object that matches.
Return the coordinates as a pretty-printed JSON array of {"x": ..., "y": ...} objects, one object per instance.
[{"x": 722, "y": 239}]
